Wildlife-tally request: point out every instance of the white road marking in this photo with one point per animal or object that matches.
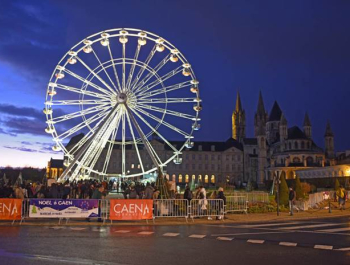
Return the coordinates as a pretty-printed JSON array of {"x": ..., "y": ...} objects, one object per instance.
[
  {"x": 77, "y": 228},
  {"x": 122, "y": 231},
  {"x": 171, "y": 234},
  {"x": 288, "y": 244},
  {"x": 335, "y": 230},
  {"x": 254, "y": 233},
  {"x": 146, "y": 233},
  {"x": 305, "y": 226},
  {"x": 343, "y": 249},
  {"x": 197, "y": 236},
  {"x": 224, "y": 238},
  {"x": 255, "y": 241},
  {"x": 323, "y": 247},
  {"x": 57, "y": 227},
  {"x": 268, "y": 225}
]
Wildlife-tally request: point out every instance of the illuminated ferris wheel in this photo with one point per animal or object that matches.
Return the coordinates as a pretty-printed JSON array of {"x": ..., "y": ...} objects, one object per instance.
[{"x": 120, "y": 88}]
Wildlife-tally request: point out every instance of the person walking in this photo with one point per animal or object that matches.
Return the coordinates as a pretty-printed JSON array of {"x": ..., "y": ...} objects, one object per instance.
[
  {"x": 341, "y": 197},
  {"x": 292, "y": 198}
]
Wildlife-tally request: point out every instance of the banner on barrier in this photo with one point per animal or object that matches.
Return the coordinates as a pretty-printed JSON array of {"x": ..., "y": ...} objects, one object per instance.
[
  {"x": 10, "y": 209},
  {"x": 131, "y": 209},
  {"x": 57, "y": 208}
]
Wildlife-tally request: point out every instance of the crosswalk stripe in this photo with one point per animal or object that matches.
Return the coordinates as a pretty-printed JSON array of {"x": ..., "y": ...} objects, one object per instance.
[
  {"x": 306, "y": 226},
  {"x": 268, "y": 225},
  {"x": 222, "y": 238},
  {"x": 77, "y": 228},
  {"x": 122, "y": 231},
  {"x": 171, "y": 234},
  {"x": 343, "y": 249},
  {"x": 146, "y": 233},
  {"x": 197, "y": 236},
  {"x": 255, "y": 241},
  {"x": 288, "y": 244},
  {"x": 323, "y": 247},
  {"x": 335, "y": 230}
]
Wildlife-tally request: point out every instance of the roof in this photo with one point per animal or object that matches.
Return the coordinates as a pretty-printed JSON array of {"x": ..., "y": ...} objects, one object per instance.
[
  {"x": 329, "y": 131},
  {"x": 56, "y": 163},
  {"x": 75, "y": 139},
  {"x": 250, "y": 141},
  {"x": 276, "y": 112},
  {"x": 238, "y": 103},
  {"x": 295, "y": 133},
  {"x": 207, "y": 146},
  {"x": 261, "y": 108}
]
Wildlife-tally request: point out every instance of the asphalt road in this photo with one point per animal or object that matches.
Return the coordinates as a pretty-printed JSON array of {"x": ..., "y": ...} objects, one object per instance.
[{"x": 324, "y": 241}]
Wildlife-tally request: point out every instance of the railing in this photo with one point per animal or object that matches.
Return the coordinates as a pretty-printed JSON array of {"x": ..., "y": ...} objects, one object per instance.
[
  {"x": 170, "y": 208},
  {"x": 255, "y": 196},
  {"x": 207, "y": 208},
  {"x": 236, "y": 204}
]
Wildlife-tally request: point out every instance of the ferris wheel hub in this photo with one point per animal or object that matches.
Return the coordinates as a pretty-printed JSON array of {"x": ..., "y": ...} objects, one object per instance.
[{"x": 122, "y": 98}]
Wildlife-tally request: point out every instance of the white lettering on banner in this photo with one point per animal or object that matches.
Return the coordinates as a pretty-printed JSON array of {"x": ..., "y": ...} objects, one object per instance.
[
  {"x": 65, "y": 203},
  {"x": 8, "y": 208},
  {"x": 133, "y": 209},
  {"x": 44, "y": 203}
]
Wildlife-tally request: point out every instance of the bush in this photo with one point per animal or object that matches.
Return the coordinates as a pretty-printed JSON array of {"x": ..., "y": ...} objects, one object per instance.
[
  {"x": 298, "y": 189},
  {"x": 306, "y": 188},
  {"x": 283, "y": 192}
]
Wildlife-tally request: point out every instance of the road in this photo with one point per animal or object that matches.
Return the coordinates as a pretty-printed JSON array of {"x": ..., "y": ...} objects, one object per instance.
[{"x": 322, "y": 241}]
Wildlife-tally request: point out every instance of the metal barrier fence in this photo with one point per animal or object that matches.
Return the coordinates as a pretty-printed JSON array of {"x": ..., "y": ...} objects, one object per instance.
[
  {"x": 236, "y": 204},
  {"x": 255, "y": 196},
  {"x": 170, "y": 208},
  {"x": 207, "y": 207}
]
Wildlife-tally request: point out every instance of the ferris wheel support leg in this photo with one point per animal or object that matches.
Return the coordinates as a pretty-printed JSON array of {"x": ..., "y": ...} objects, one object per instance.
[{"x": 84, "y": 148}]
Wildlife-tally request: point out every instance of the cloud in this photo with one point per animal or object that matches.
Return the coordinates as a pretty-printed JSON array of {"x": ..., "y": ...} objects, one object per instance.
[
  {"x": 33, "y": 147},
  {"x": 23, "y": 149}
]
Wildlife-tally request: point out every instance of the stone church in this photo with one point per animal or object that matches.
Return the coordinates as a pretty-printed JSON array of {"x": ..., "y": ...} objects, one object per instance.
[{"x": 277, "y": 147}]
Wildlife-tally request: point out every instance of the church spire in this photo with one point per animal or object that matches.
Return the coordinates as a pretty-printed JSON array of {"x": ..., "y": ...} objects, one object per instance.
[
  {"x": 307, "y": 121},
  {"x": 238, "y": 121},
  {"x": 329, "y": 131},
  {"x": 261, "y": 107},
  {"x": 238, "y": 103}
]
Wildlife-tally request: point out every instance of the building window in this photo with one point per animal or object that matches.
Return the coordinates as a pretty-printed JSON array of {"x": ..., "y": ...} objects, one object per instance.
[
  {"x": 290, "y": 146},
  {"x": 227, "y": 167},
  {"x": 187, "y": 178},
  {"x": 173, "y": 177},
  {"x": 254, "y": 151},
  {"x": 206, "y": 157},
  {"x": 212, "y": 167},
  {"x": 200, "y": 166},
  {"x": 193, "y": 166},
  {"x": 138, "y": 166},
  {"x": 302, "y": 145},
  {"x": 206, "y": 166},
  {"x": 296, "y": 145},
  {"x": 199, "y": 147},
  {"x": 212, "y": 157},
  {"x": 132, "y": 165},
  {"x": 186, "y": 166},
  {"x": 206, "y": 179},
  {"x": 199, "y": 178},
  {"x": 193, "y": 156},
  {"x": 180, "y": 178},
  {"x": 238, "y": 158},
  {"x": 200, "y": 157},
  {"x": 193, "y": 178},
  {"x": 212, "y": 179},
  {"x": 296, "y": 160},
  {"x": 212, "y": 148}
]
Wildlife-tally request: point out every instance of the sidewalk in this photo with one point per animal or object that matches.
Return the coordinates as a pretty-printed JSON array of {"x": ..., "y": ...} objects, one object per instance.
[{"x": 231, "y": 219}]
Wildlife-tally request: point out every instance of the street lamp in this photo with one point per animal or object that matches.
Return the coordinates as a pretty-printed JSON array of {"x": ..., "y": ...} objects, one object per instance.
[{"x": 277, "y": 178}]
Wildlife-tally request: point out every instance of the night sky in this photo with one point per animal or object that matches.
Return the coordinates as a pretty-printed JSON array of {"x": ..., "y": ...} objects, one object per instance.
[{"x": 296, "y": 52}]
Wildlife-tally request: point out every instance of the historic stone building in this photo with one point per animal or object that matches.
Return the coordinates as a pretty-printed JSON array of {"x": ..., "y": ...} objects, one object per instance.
[{"x": 275, "y": 148}]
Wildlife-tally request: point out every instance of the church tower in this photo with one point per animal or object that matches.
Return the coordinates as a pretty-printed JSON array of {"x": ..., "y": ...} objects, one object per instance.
[
  {"x": 273, "y": 124},
  {"x": 283, "y": 128},
  {"x": 260, "y": 120},
  {"x": 307, "y": 126},
  {"x": 329, "y": 142},
  {"x": 238, "y": 121}
]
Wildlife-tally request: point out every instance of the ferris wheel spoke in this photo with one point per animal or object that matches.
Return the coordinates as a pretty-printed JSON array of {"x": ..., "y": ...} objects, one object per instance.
[
  {"x": 77, "y": 114},
  {"x": 144, "y": 89},
  {"x": 110, "y": 146},
  {"x": 82, "y": 125},
  {"x": 151, "y": 74},
  {"x": 104, "y": 69},
  {"x": 166, "y": 100},
  {"x": 135, "y": 142},
  {"x": 164, "y": 90},
  {"x": 131, "y": 73},
  {"x": 78, "y": 102},
  {"x": 123, "y": 79},
  {"x": 114, "y": 68},
  {"x": 80, "y": 91},
  {"x": 105, "y": 91},
  {"x": 166, "y": 111},
  {"x": 96, "y": 75},
  {"x": 123, "y": 144},
  {"x": 151, "y": 152},
  {"x": 155, "y": 131},
  {"x": 172, "y": 127},
  {"x": 143, "y": 68}
]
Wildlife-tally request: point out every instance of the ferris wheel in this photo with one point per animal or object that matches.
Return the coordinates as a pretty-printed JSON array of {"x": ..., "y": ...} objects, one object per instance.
[{"x": 120, "y": 89}]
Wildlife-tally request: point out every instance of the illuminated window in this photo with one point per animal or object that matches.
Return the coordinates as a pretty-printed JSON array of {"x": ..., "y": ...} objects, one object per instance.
[
  {"x": 132, "y": 165},
  {"x": 173, "y": 177},
  {"x": 212, "y": 179},
  {"x": 138, "y": 166},
  {"x": 199, "y": 178},
  {"x": 167, "y": 176},
  {"x": 186, "y": 178},
  {"x": 193, "y": 178},
  {"x": 206, "y": 179},
  {"x": 180, "y": 178}
]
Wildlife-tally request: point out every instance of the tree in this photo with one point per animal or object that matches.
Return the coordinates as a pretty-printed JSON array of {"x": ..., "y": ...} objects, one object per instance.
[
  {"x": 336, "y": 185},
  {"x": 284, "y": 194},
  {"x": 298, "y": 189}
]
